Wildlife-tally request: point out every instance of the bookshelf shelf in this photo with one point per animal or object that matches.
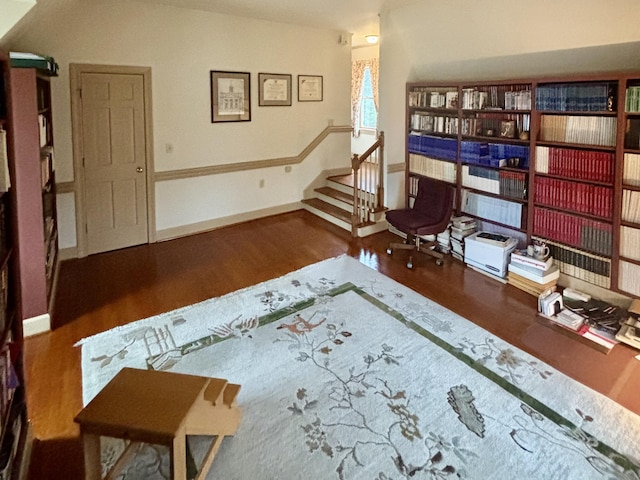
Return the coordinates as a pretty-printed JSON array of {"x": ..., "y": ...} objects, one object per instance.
[
  {"x": 573, "y": 179},
  {"x": 494, "y": 139},
  {"x": 578, "y": 146},
  {"x": 497, "y": 224},
  {"x": 524, "y": 201},
  {"x": 585, "y": 113},
  {"x": 634, "y": 261}
]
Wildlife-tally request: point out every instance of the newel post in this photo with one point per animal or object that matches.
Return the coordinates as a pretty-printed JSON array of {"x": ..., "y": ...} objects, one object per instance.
[{"x": 355, "y": 166}]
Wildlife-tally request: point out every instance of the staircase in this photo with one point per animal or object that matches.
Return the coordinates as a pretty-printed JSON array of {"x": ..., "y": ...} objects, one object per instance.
[{"x": 354, "y": 201}]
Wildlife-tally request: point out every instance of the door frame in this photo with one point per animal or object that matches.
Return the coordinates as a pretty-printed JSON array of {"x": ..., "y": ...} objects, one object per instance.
[{"x": 75, "y": 75}]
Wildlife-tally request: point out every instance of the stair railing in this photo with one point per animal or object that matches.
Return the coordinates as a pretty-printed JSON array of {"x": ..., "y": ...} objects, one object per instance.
[{"x": 368, "y": 184}]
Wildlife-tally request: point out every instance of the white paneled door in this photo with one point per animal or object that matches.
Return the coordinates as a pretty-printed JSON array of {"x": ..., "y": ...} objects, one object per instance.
[{"x": 114, "y": 160}]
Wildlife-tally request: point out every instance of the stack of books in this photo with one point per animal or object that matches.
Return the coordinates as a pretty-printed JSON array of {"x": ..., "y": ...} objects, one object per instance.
[
  {"x": 629, "y": 332},
  {"x": 444, "y": 240},
  {"x": 461, "y": 228},
  {"x": 568, "y": 319},
  {"x": 532, "y": 275}
]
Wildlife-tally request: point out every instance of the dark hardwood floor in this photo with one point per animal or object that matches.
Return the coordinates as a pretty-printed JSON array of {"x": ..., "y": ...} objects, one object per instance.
[{"x": 103, "y": 291}]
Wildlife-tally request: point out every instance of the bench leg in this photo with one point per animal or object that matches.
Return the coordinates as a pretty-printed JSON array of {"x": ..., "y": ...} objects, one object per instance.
[
  {"x": 179, "y": 455},
  {"x": 92, "y": 463}
]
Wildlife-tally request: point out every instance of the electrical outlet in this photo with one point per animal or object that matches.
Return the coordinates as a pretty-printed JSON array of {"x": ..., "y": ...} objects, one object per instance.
[
  {"x": 261, "y": 183},
  {"x": 287, "y": 169}
]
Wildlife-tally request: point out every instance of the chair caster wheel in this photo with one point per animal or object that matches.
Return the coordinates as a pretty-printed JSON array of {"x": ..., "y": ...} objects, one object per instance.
[
  {"x": 439, "y": 262},
  {"x": 409, "y": 265},
  {"x": 389, "y": 251}
]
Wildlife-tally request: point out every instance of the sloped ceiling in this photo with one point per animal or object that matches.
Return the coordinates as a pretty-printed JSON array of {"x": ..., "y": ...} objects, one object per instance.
[
  {"x": 356, "y": 17},
  {"x": 11, "y": 11}
]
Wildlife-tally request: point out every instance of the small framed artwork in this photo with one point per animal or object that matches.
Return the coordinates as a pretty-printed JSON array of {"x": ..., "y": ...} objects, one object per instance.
[
  {"x": 274, "y": 89},
  {"x": 508, "y": 129},
  {"x": 230, "y": 96},
  {"x": 309, "y": 88}
]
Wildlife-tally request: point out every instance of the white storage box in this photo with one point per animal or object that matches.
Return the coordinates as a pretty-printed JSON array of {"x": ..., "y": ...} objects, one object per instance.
[{"x": 491, "y": 257}]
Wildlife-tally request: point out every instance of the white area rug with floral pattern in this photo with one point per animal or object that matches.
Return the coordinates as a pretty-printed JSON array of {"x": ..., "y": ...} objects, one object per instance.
[{"x": 347, "y": 374}]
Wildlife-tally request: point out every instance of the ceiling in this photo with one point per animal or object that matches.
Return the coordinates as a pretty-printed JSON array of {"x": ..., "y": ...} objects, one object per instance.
[{"x": 359, "y": 17}]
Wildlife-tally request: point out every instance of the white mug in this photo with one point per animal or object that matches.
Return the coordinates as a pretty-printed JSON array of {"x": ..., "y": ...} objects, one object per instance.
[{"x": 540, "y": 251}]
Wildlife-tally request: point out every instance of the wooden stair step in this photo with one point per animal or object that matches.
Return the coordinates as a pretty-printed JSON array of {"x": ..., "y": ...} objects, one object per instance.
[
  {"x": 329, "y": 209},
  {"x": 337, "y": 194},
  {"x": 230, "y": 393}
]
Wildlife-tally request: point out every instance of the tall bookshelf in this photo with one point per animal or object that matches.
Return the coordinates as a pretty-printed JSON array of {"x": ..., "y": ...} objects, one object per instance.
[
  {"x": 12, "y": 396},
  {"x": 36, "y": 225},
  {"x": 629, "y": 185},
  {"x": 553, "y": 159}
]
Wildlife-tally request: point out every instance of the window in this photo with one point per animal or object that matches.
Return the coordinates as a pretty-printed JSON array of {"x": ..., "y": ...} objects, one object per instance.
[{"x": 368, "y": 112}]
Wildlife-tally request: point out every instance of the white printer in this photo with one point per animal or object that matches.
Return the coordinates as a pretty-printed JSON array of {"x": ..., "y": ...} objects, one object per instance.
[{"x": 489, "y": 252}]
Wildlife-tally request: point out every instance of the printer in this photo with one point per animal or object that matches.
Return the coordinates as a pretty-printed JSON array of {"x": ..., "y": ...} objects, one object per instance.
[{"x": 489, "y": 252}]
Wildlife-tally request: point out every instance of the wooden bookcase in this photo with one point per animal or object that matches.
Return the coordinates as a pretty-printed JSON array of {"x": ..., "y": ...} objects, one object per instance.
[
  {"x": 12, "y": 395},
  {"x": 36, "y": 225},
  {"x": 555, "y": 159}
]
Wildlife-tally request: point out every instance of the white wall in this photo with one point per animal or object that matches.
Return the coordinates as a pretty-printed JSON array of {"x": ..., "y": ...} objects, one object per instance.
[
  {"x": 501, "y": 39},
  {"x": 182, "y": 46}
]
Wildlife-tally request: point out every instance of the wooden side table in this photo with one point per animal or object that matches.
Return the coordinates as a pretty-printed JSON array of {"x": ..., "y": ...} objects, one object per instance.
[{"x": 161, "y": 408}]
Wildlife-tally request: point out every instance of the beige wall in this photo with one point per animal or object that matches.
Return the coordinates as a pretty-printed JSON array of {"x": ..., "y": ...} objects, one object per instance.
[
  {"x": 182, "y": 46},
  {"x": 461, "y": 39}
]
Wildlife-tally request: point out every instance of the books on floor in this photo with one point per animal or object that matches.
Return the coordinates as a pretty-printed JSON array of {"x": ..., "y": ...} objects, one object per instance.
[
  {"x": 529, "y": 286},
  {"x": 534, "y": 274}
]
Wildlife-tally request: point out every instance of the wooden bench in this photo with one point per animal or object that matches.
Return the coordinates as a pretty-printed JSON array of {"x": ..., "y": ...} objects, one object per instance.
[{"x": 147, "y": 406}]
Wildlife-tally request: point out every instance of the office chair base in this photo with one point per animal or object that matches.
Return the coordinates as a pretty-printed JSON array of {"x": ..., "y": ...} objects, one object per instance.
[{"x": 427, "y": 248}]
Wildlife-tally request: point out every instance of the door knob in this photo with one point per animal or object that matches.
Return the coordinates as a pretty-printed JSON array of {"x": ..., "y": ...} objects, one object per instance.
[{"x": 139, "y": 169}]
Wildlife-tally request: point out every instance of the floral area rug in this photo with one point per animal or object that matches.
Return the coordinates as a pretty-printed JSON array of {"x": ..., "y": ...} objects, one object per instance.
[{"x": 347, "y": 374}]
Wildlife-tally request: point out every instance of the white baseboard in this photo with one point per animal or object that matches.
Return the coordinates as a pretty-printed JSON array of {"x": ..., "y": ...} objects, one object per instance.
[
  {"x": 67, "y": 253},
  {"x": 35, "y": 325},
  {"x": 184, "y": 230}
]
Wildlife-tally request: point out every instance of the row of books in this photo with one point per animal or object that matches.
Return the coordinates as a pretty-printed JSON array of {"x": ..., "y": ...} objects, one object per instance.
[
  {"x": 632, "y": 100},
  {"x": 441, "y": 98},
  {"x": 575, "y": 97},
  {"x": 8, "y": 381},
  {"x": 630, "y": 206},
  {"x": 630, "y": 243},
  {"x": 631, "y": 170},
  {"x": 501, "y": 182},
  {"x": 492, "y": 209},
  {"x": 579, "y": 232},
  {"x": 435, "y": 147},
  {"x": 579, "y": 164},
  {"x": 484, "y": 123},
  {"x": 579, "y": 129},
  {"x": 578, "y": 197},
  {"x": 493, "y": 154},
  {"x": 432, "y": 168},
  {"x": 580, "y": 264},
  {"x": 5, "y": 179},
  {"x": 507, "y": 97},
  {"x": 629, "y": 277},
  {"x": 428, "y": 122}
]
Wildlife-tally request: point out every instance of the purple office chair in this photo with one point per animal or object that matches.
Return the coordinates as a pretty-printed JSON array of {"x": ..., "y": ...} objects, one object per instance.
[{"x": 430, "y": 215}]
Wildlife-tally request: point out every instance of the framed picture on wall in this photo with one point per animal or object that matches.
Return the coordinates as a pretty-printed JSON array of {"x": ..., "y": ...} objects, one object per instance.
[
  {"x": 309, "y": 88},
  {"x": 274, "y": 89},
  {"x": 230, "y": 96}
]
